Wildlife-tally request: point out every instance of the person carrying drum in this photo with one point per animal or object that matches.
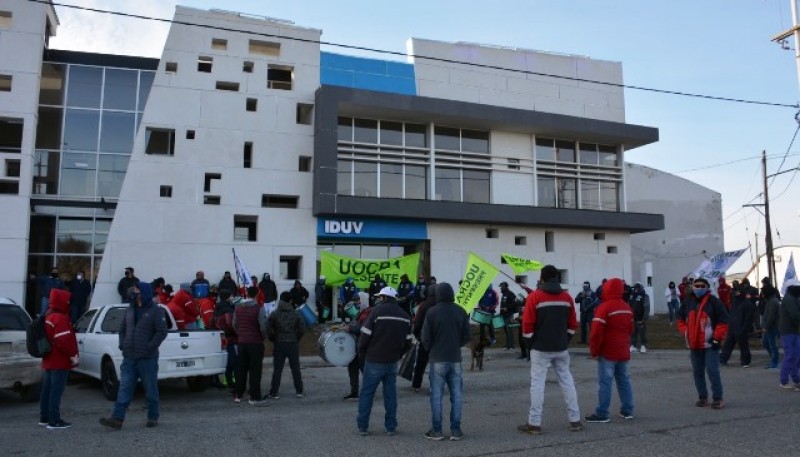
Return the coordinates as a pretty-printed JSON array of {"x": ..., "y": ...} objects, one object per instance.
[
  {"x": 347, "y": 294},
  {"x": 357, "y": 364},
  {"x": 508, "y": 306},
  {"x": 488, "y": 304},
  {"x": 405, "y": 294},
  {"x": 322, "y": 296}
]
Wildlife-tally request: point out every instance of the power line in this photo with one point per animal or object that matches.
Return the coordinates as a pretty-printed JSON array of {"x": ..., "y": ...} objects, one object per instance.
[
  {"x": 731, "y": 162},
  {"x": 419, "y": 56}
]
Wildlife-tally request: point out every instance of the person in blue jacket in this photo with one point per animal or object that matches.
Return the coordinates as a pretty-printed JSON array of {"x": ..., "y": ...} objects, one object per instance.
[
  {"x": 488, "y": 304},
  {"x": 347, "y": 293}
]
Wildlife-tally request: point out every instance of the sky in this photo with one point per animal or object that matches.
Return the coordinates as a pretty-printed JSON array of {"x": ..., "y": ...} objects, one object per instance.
[{"x": 712, "y": 47}]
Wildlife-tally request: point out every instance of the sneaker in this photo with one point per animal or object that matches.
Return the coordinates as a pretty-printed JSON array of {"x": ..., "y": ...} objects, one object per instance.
[
  {"x": 643, "y": 350},
  {"x": 391, "y": 432},
  {"x": 43, "y": 422},
  {"x": 595, "y": 418},
  {"x": 272, "y": 396},
  {"x": 58, "y": 425},
  {"x": 575, "y": 426},
  {"x": 257, "y": 401},
  {"x": 236, "y": 399},
  {"x": 788, "y": 387},
  {"x": 530, "y": 429},
  {"x": 745, "y": 366},
  {"x": 299, "y": 395},
  {"x": 701, "y": 403},
  {"x": 415, "y": 389},
  {"x": 717, "y": 404},
  {"x": 111, "y": 422},
  {"x": 151, "y": 423},
  {"x": 363, "y": 432},
  {"x": 434, "y": 435},
  {"x": 492, "y": 341},
  {"x": 625, "y": 415},
  {"x": 352, "y": 396},
  {"x": 633, "y": 348},
  {"x": 456, "y": 435}
]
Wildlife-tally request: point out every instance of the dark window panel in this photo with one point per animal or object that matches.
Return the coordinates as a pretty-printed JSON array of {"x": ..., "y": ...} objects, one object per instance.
[
  {"x": 51, "y": 88},
  {"x": 118, "y": 132},
  {"x": 84, "y": 86},
  {"x": 447, "y": 138},
  {"x": 48, "y": 128},
  {"x": 119, "y": 91},
  {"x": 81, "y": 128}
]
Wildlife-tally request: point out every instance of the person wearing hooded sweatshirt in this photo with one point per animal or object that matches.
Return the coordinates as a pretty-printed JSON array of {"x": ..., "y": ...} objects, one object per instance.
[
  {"x": 298, "y": 294},
  {"x": 770, "y": 334},
  {"x": 183, "y": 301},
  {"x": 445, "y": 331},
  {"x": 322, "y": 298},
  {"x": 612, "y": 327},
  {"x": 703, "y": 322},
  {"x": 141, "y": 332},
  {"x": 285, "y": 327},
  {"x": 640, "y": 304},
  {"x": 63, "y": 356},
  {"x": 789, "y": 328},
  {"x": 269, "y": 291},
  {"x": 548, "y": 324},
  {"x": 741, "y": 316},
  {"x": 347, "y": 294}
]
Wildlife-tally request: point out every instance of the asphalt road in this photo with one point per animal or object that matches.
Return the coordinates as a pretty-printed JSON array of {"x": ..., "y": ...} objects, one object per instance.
[{"x": 758, "y": 418}]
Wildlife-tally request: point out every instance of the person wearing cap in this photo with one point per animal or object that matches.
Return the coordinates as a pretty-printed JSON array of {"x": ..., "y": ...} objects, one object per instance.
[
  {"x": 376, "y": 286},
  {"x": 789, "y": 329},
  {"x": 125, "y": 283},
  {"x": 640, "y": 304},
  {"x": 587, "y": 301},
  {"x": 703, "y": 323},
  {"x": 322, "y": 298},
  {"x": 405, "y": 293},
  {"x": 488, "y": 304},
  {"x": 385, "y": 337}
]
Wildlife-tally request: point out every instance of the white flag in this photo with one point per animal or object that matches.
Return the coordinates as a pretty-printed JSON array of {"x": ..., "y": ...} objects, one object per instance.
[
  {"x": 790, "y": 275},
  {"x": 241, "y": 271},
  {"x": 716, "y": 266}
]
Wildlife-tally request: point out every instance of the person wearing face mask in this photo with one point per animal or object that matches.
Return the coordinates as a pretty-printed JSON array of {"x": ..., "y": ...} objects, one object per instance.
[
  {"x": 703, "y": 322},
  {"x": 672, "y": 295},
  {"x": 587, "y": 301},
  {"x": 125, "y": 283},
  {"x": 80, "y": 289},
  {"x": 227, "y": 283}
]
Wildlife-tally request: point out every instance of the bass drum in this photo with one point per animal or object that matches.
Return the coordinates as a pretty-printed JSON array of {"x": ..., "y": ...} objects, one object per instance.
[{"x": 337, "y": 347}]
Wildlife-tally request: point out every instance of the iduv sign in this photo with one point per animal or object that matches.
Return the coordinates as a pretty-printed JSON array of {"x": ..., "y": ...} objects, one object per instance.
[{"x": 372, "y": 229}]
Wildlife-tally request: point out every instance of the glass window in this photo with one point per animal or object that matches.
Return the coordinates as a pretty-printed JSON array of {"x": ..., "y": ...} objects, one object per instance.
[
  {"x": 120, "y": 89},
  {"x": 608, "y": 156},
  {"x": 545, "y": 149},
  {"x": 43, "y": 234},
  {"x": 11, "y": 135},
  {"x": 145, "y": 83},
  {"x": 159, "y": 141},
  {"x": 48, "y": 128},
  {"x": 365, "y": 179},
  {"x": 78, "y": 174},
  {"x": 51, "y": 88},
  {"x": 344, "y": 175},
  {"x": 547, "y": 192},
  {"x": 416, "y": 135},
  {"x": 82, "y": 326},
  {"x": 565, "y": 151},
  {"x": 567, "y": 193},
  {"x": 118, "y": 132},
  {"x": 75, "y": 235},
  {"x": 112, "y": 320},
  {"x": 609, "y": 193},
  {"x": 447, "y": 138},
  {"x": 366, "y": 131},
  {"x": 391, "y": 180},
  {"x": 84, "y": 86},
  {"x": 111, "y": 173},
  {"x": 345, "y": 130},
  {"x": 448, "y": 184},
  {"x": 392, "y": 133},
  {"x": 416, "y": 182},
  {"x": 348, "y": 250},
  {"x": 369, "y": 251},
  {"x": 588, "y": 154},
  {"x": 590, "y": 194},
  {"x": 101, "y": 229},
  {"x": 80, "y": 130},
  {"x": 476, "y": 186},
  {"x": 475, "y": 141},
  {"x": 46, "y": 166}
]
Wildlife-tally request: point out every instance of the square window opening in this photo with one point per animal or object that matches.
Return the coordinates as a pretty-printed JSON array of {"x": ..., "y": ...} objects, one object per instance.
[
  {"x": 159, "y": 141},
  {"x": 280, "y": 77},
  {"x": 247, "y": 155},
  {"x": 219, "y": 44},
  {"x": 5, "y": 83},
  {"x": 165, "y": 191},
  {"x": 520, "y": 240},
  {"x": 248, "y": 66},
  {"x": 190, "y": 134},
  {"x": 11, "y": 135},
  {"x": 265, "y": 48},
  {"x": 563, "y": 276},
  {"x": 212, "y": 200},
  {"x": 305, "y": 113},
  {"x": 204, "y": 64},
  {"x": 513, "y": 164},
  {"x": 599, "y": 236},
  {"x": 279, "y": 201},
  {"x": 8, "y": 187},
  {"x": 12, "y": 168},
  {"x": 244, "y": 227},
  {"x": 304, "y": 164},
  {"x": 171, "y": 67},
  {"x": 492, "y": 233},
  {"x": 549, "y": 241},
  {"x": 228, "y": 85},
  {"x": 290, "y": 267},
  {"x": 251, "y": 104},
  {"x": 612, "y": 250},
  {"x": 5, "y": 19},
  {"x": 208, "y": 180}
]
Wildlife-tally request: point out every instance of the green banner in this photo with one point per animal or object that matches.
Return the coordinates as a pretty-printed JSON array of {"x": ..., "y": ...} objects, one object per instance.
[
  {"x": 520, "y": 265},
  {"x": 338, "y": 268},
  {"x": 477, "y": 277}
]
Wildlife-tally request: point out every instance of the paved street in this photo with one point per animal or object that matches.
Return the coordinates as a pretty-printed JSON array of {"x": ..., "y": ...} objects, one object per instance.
[{"x": 758, "y": 418}]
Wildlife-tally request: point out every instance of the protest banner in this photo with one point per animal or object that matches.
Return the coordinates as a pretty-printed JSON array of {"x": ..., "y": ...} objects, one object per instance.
[
  {"x": 478, "y": 275},
  {"x": 520, "y": 265},
  {"x": 337, "y": 268},
  {"x": 716, "y": 266}
]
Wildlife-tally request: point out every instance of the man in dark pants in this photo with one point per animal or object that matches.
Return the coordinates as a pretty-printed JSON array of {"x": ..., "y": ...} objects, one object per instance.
[
  {"x": 248, "y": 321},
  {"x": 587, "y": 301},
  {"x": 422, "y": 353},
  {"x": 285, "y": 327},
  {"x": 743, "y": 310},
  {"x": 357, "y": 364},
  {"x": 80, "y": 289}
]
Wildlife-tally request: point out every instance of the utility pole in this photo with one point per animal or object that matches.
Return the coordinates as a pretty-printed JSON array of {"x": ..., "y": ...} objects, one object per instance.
[
  {"x": 794, "y": 31},
  {"x": 770, "y": 253}
]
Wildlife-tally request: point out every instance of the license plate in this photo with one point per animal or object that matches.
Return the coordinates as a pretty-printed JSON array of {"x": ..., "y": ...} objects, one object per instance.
[{"x": 184, "y": 364}]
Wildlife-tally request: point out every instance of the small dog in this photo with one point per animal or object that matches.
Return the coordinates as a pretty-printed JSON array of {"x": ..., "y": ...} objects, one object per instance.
[{"x": 477, "y": 353}]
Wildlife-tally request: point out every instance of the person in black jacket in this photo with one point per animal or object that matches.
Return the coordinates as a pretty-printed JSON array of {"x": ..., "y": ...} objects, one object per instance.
[
  {"x": 587, "y": 301},
  {"x": 508, "y": 306},
  {"x": 743, "y": 309},
  {"x": 80, "y": 289},
  {"x": 422, "y": 353},
  {"x": 375, "y": 287},
  {"x": 640, "y": 304},
  {"x": 227, "y": 283},
  {"x": 270, "y": 291},
  {"x": 285, "y": 327},
  {"x": 298, "y": 294},
  {"x": 322, "y": 298},
  {"x": 385, "y": 337}
]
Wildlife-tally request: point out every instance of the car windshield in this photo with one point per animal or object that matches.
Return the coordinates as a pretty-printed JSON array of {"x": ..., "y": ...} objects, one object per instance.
[{"x": 12, "y": 317}]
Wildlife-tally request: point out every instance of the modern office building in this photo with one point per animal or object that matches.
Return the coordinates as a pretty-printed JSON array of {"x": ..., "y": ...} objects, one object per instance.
[{"x": 245, "y": 135}]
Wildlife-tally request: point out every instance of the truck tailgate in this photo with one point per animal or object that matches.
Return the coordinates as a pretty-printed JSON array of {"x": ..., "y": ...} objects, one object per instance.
[{"x": 191, "y": 353}]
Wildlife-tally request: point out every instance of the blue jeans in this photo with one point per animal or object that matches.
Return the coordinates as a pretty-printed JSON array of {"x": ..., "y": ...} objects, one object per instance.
[
  {"x": 673, "y": 306},
  {"x": 375, "y": 373},
  {"x": 769, "y": 340},
  {"x": 609, "y": 371},
  {"x": 449, "y": 373},
  {"x": 706, "y": 361},
  {"x": 53, "y": 384},
  {"x": 791, "y": 358},
  {"x": 130, "y": 371}
]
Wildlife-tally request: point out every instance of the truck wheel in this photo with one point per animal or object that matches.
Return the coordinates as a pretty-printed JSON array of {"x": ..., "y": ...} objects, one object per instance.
[
  {"x": 108, "y": 377},
  {"x": 197, "y": 383},
  {"x": 30, "y": 393}
]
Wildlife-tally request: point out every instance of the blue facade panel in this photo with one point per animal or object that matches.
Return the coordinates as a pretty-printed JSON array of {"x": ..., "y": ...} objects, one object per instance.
[
  {"x": 368, "y": 74},
  {"x": 371, "y": 229}
]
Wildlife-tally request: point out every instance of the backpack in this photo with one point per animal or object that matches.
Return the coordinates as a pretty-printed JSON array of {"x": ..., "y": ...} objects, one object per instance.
[{"x": 36, "y": 339}]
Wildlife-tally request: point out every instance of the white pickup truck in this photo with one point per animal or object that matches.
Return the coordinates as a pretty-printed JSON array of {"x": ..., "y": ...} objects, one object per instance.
[{"x": 191, "y": 354}]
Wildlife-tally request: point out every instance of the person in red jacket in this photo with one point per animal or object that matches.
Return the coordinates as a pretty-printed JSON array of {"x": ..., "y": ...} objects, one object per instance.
[
  {"x": 724, "y": 293},
  {"x": 183, "y": 299},
  {"x": 178, "y": 313},
  {"x": 703, "y": 322},
  {"x": 63, "y": 356},
  {"x": 207, "y": 305},
  {"x": 609, "y": 338}
]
